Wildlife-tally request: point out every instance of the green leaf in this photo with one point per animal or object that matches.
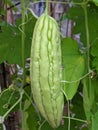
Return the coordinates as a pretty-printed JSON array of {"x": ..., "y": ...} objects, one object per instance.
[
  {"x": 10, "y": 41},
  {"x": 90, "y": 96},
  {"x": 77, "y": 1},
  {"x": 8, "y": 98},
  {"x": 1, "y": 127},
  {"x": 95, "y": 86},
  {"x": 73, "y": 72},
  {"x": 29, "y": 118},
  {"x": 94, "y": 49},
  {"x": 95, "y": 1},
  {"x": 69, "y": 47},
  {"x": 95, "y": 63},
  {"x": 95, "y": 121},
  {"x": 86, "y": 99},
  {"x": 74, "y": 66},
  {"x": 63, "y": 125},
  {"x": 76, "y": 106},
  {"x": 76, "y": 13},
  {"x": 94, "y": 53}
]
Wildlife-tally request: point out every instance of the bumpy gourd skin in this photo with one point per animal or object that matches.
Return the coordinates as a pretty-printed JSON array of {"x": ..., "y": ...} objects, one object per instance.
[{"x": 45, "y": 70}]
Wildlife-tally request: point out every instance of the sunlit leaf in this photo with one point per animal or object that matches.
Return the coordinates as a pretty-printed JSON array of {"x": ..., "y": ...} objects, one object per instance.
[
  {"x": 74, "y": 66},
  {"x": 95, "y": 1}
]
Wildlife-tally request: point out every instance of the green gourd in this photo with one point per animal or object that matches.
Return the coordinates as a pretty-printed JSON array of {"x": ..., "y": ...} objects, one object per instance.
[{"x": 46, "y": 71}]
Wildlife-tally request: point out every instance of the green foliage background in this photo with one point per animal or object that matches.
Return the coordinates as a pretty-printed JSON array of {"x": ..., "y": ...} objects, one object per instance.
[{"x": 84, "y": 104}]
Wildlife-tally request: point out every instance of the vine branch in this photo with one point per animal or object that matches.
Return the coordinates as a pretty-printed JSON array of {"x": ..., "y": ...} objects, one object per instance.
[
  {"x": 23, "y": 39},
  {"x": 17, "y": 102},
  {"x": 76, "y": 119},
  {"x": 88, "y": 50}
]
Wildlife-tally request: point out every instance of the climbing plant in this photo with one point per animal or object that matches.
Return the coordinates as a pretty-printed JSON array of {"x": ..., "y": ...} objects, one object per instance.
[{"x": 79, "y": 67}]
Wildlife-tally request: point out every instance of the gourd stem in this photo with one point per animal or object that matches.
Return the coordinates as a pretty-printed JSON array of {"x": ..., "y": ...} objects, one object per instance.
[{"x": 47, "y": 7}]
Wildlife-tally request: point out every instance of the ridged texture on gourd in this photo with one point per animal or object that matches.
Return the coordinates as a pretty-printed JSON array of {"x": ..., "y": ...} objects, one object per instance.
[{"x": 45, "y": 70}]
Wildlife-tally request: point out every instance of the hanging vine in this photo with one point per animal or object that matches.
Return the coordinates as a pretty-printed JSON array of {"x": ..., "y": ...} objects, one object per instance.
[{"x": 73, "y": 57}]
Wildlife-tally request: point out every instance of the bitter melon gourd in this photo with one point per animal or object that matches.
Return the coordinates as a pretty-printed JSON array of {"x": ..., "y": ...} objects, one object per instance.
[{"x": 45, "y": 70}]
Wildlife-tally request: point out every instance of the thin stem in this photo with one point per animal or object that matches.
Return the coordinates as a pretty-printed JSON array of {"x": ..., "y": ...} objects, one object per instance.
[
  {"x": 59, "y": 2},
  {"x": 54, "y": 9},
  {"x": 6, "y": 11},
  {"x": 68, "y": 116},
  {"x": 9, "y": 100},
  {"x": 23, "y": 39},
  {"x": 88, "y": 50},
  {"x": 74, "y": 81},
  {"x": 67, "y": 2},
  {"x": 23, "y": 45},
  {"x": 4, "y": 116},
  {"x": 32, "y": 104},
  {"x": 20, "y": 104},
  {"x": 87, "y": 37},
  {"x": 32, "y": 12},
  {"x": 41, "y": 125},
  {"x": 64, "y": 94},
  {"x": 28, "y": 97},
  {"x": 76, "y": 119},
  {"x": 90, "y": 90},
  {"x": 47, "y": 6}
]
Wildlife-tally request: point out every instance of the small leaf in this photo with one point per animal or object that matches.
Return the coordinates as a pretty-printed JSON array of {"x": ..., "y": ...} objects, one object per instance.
[
  {"x": 94, "y": 49},
  {"x": 95, "y": 86},
  {"x": 69, "y": 47},
  {"x": 86, "y": 100},
  {"x": 1, "y": 127},
  {"x": 94, "y": 53},
  {"x": 30, "y": 118},
  {"x": 95, "y": 121},
  {"x": 90, "y": 96},
  {"x": 77, "y": 110},
  {"x": 8, "y": 98},
  {"x": 95, "y": 63},
  {"x": 96, "y": 2}
]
